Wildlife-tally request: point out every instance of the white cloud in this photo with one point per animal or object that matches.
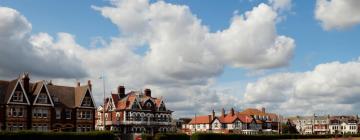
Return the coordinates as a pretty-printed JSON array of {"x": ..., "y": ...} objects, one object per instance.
[
  {"x": 182, "y": 61},
  {"x": 281, "y": 5},
  {"x": 18, "y": 54},
  {"x": 337, "y": 14},
  {"x": 328, "y": 88}
]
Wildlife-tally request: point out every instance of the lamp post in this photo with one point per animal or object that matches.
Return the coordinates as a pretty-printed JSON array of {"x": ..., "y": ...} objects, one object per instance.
[{"x": 104, "y": 121}]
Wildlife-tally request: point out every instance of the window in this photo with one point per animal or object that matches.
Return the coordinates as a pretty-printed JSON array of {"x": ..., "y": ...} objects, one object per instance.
[
  {"x": 40, "y": 113},
  {"x": 68, "y": 114},
  {"x": 18, "y": 96},
  {"x": 87, "y": 101},
  {"x": 84, "y": 115},
  {"x": 117, "y": 116},
  {"x": 42, "y": 99},
  {"x": 58, "y": 114},
  {"x": 16, "y": 112}
]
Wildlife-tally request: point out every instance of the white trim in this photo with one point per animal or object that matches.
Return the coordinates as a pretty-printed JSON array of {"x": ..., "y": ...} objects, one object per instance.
[
  {"x": 12, "y": 93},
  {"x": 92, "y": 99},
  {"x": 47, "y": 92}
]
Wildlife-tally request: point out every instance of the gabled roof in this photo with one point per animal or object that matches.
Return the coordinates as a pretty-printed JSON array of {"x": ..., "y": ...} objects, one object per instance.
[
  {"x": 38, "y": 88},
  {"x": 11, "y": 89},
  {"x": 66, "y": 95}
]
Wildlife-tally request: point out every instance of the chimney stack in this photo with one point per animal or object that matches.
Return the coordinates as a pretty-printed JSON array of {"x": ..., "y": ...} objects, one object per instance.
[
  {"x": 232, "y": 112},
  {"x": 147, "y": 92},
  {"x": 223, "y": 112},
  {"x": 213, "y": 114},
  {"x": 78, "y": 83},
  {"x": 26, "y": 82},
  {"x": 263, "y": 109},
  {"x": 121, "y": 91},
  {"x": 90, "y": 85}
]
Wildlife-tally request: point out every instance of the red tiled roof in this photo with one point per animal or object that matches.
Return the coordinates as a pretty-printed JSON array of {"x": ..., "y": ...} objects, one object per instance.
[{"x": 201, "y": 120}]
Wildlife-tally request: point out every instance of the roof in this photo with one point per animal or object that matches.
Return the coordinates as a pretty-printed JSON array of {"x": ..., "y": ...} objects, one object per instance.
[
  {"x": 201, "y": 120},
  {"x": 129, "y": 99},
  {"x": 69, "y": 97}
]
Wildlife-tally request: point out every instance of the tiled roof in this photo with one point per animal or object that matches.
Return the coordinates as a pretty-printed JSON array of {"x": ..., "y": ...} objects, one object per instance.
[{"x": 201, "y": 120}]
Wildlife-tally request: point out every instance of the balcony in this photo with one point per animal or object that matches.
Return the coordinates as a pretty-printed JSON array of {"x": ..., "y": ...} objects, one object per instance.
[{"x": 135, "y": 123}]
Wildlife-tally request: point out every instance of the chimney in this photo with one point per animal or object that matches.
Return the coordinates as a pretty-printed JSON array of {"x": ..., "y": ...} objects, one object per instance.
[
  {"x": 50, "y": 83},
  {"x": 121, "y": 91},
  {"x": 147, "y": 92},
  {"x": 213, "y": 114},
  {"x": 78, "y": 83},
  {"x": 210, "y": 118},
  {"x": 223, "y": 112},
  {"x": 232, "y": 112},
  {"x": 90, "y": 85},
  {"x": 26, "y": 82},
  {"x": 263, "y": 109}
]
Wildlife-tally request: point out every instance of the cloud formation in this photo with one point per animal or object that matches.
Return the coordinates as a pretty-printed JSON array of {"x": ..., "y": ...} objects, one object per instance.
[
  {"x": 18, "y": 54},
  {"x": 181, "y": 63},
  {"x": 329, "y": 88},
  {"x": 337, "y": 14}
]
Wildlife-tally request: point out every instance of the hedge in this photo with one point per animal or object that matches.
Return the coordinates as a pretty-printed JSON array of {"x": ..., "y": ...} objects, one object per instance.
[
  {"x": 166, "y": 136},
  {"x": 22, "y": 135},
  {"x": 215, "y": 136}
]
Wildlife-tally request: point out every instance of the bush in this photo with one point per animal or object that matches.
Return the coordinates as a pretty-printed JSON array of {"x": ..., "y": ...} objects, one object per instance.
[
  {"x": 166, "y": 136},
  {"x": 56, "y": 135},
  {"x": 215, "y": 136}
]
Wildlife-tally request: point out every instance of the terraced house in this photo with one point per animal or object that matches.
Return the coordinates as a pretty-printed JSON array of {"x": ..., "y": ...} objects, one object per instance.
[
  {"x": 134, "y": 112},
  {"x": 43, "y": 106},
  {"x": 249, "y": 121}
]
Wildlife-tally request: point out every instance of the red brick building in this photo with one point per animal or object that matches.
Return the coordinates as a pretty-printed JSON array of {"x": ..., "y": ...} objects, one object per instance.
[
  {"x": 43, "y": 106},
  {"x": 135, "y": 112}
]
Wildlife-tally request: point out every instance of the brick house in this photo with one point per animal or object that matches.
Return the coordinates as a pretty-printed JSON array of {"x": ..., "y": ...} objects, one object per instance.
[
  {"x": 134, "y": 112},
  {"x": 43, "y": 106},
  {"x": 249, "y": 121}
]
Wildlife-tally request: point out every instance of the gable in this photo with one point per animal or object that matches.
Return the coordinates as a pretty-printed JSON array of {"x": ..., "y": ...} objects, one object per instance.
[
  {"x": 87, "y": 100},
  {"x": 18, "y": 95},
  {"x": 148, "y": 105},
  {"x": 135, "y": 105},
  {"x": 43, "y": 97},
  {"x": 162, "y": 106}
]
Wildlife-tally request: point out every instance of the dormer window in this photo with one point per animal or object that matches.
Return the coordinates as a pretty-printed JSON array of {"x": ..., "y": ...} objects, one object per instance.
[
  {"x": 18, "y": 96},
  {"x": 148, "y": 105}
]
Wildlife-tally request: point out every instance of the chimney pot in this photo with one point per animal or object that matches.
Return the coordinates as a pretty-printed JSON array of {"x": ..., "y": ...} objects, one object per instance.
[
  {"x": 213, "y": 114},
  {"x": 121, "y": 91},
  {"x": 263, "y": 109},
  {"x": 147, "y": 92},
  {"x": 78, "y": 84},
  {"x": 232, "y": 112},
  {"x": 90, "y": 85},
  {"x": 26, "y": 81}
]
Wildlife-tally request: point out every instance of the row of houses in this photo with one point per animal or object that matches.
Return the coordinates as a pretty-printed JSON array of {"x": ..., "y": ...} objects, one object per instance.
[
  {"x": 249, "y": 121},
  {"x": 326, "y": 124},
  {"x": 43, "y": 106}
]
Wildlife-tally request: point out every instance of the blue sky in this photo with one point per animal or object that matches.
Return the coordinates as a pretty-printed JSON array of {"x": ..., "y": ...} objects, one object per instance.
[{"x": 314, "y": 44}]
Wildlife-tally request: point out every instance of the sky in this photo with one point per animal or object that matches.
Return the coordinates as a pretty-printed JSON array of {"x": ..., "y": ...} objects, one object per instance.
[{"x": 291, "y": 57}]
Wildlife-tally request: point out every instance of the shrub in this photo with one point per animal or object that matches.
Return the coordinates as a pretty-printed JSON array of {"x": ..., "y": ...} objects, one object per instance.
[
  {"x": 215, "y": 136},
  {"x": 56, "y": 135}
]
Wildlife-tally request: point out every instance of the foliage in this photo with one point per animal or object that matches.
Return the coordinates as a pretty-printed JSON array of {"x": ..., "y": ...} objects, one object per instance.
[{"x": 96, "y": 135}]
